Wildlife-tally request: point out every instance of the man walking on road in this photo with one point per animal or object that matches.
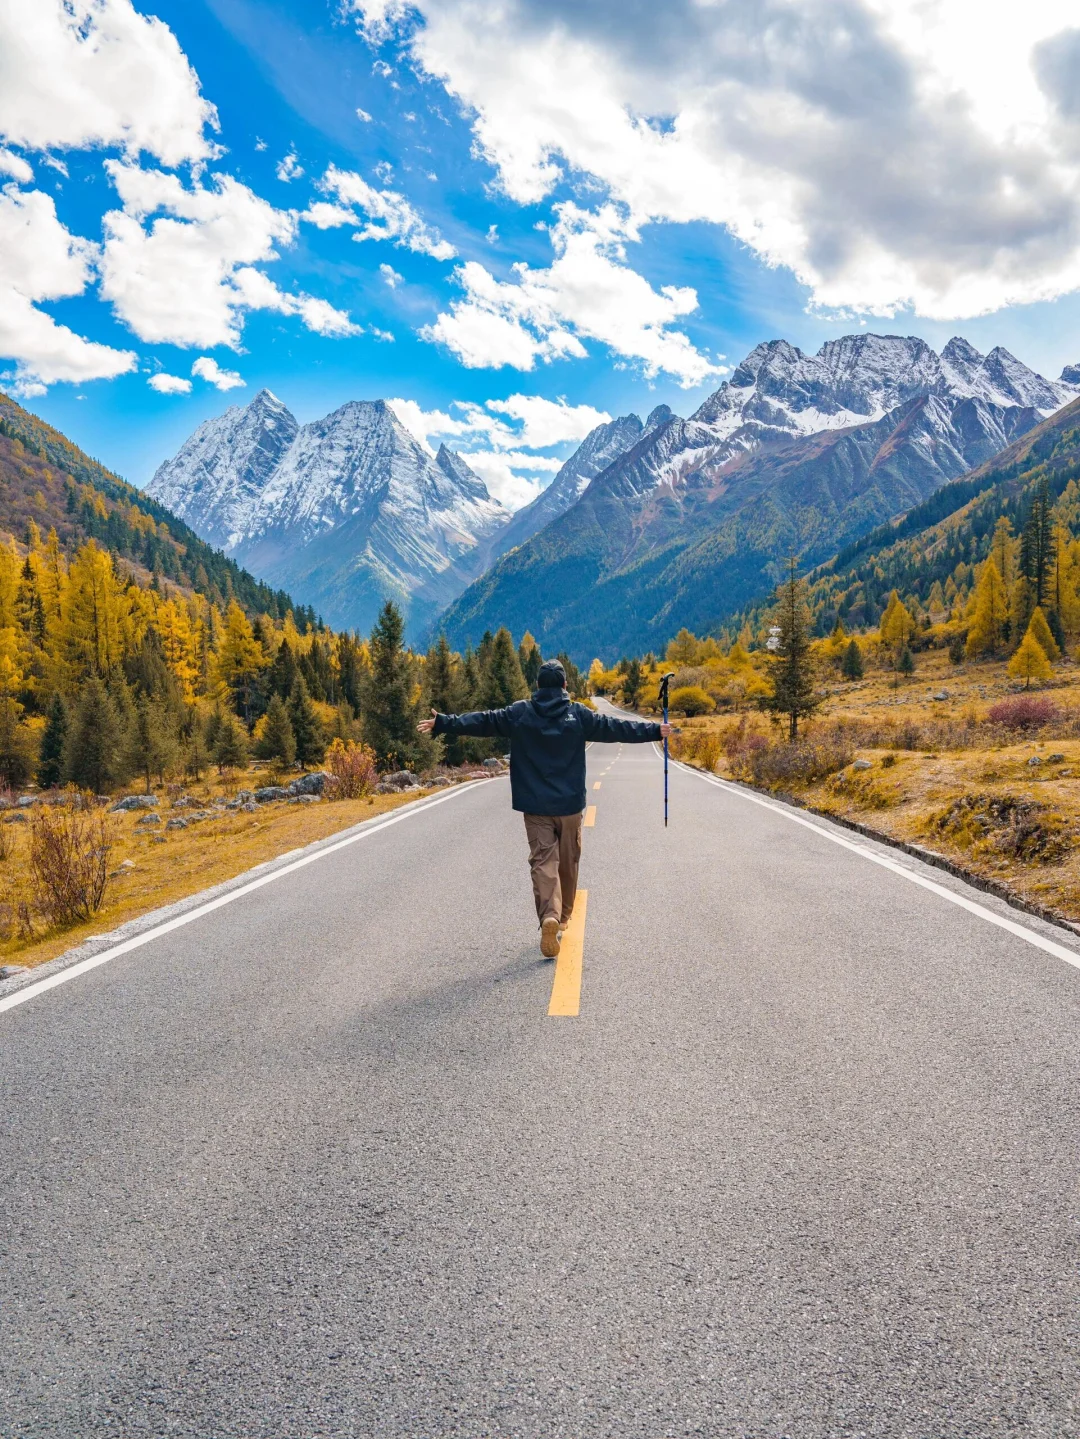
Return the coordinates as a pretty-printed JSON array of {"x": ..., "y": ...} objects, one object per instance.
[{"x": 548, "y": 735}]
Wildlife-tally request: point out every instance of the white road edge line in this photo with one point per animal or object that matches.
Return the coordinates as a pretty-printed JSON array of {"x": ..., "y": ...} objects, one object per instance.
[
  {"x": 62, "y": 976},
  {"x": 1031, "y": 936}
]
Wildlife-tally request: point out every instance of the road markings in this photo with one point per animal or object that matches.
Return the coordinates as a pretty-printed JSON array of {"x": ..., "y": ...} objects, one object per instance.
[
  {"x": 1030, "y": 936},
  {"x": 566, "y": 986},
  {"x": 590, "y": 816},
  {"x": 137, "y": 941},
  {"x": 596, "y": 785}
]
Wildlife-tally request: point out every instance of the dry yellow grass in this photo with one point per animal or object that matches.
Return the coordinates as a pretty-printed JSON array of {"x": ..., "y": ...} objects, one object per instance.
[
  {"x": 184, "y": 862},
  {"x": 936, "y": 796}
]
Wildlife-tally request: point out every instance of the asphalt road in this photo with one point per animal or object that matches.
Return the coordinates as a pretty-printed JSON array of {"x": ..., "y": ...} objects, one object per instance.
[{"x": 319, "y": 1163}]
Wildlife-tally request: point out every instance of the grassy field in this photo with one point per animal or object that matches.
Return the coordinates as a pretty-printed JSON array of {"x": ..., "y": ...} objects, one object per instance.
[
  {"x": 920, "y": 761},
  {"x": 153, "y": 866}
]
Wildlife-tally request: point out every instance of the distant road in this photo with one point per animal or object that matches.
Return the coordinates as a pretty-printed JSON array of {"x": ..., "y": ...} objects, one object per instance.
[{"x": 319, "y": 1163}]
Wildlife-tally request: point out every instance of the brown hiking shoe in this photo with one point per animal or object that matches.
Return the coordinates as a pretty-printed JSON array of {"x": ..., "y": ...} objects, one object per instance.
[{"x": 549, "y": 938}]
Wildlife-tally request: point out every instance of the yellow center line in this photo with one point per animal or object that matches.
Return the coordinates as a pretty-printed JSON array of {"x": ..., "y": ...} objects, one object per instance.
[
  {"x": 590, "y": 816},
  {"x": 566, "y": 986},
  {"x": 596, "y": 785}
]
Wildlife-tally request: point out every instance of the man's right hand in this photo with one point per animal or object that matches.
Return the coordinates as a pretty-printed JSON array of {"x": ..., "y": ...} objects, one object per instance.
[
  {"x": 666, "y": 731},
  {"x": 426, "y": 726}
]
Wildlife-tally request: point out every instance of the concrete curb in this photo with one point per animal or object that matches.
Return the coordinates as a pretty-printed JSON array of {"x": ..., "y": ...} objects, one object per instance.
[{"x": 153, "y": 917}]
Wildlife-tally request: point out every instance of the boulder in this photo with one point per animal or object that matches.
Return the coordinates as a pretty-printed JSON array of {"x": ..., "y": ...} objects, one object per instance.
[
  {"x": 493, "y": 764},
  {"x": 1034, "y": 760},
  {"x": 439, "y": 782},
  {"x": 310, "y": 784},
  {"x": 400, "y": 779},
  {"x": 1055, "y": 759},
  {"x": 26, "y": 800},
  {"x": 861, "y": 764},
  {"x": 16, "y": 817},
  {"x": 134, "y": 801},
  {"x": 176, "y": 824},
  {"x": 147, "y": 819},
  {"x": 271, "y": 792},
  {"x": 9, "y": 971}
]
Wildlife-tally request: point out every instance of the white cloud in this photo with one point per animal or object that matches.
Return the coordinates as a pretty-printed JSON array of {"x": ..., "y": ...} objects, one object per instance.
[
  {"x": 548, "y": 422},
  {"x": 391, "y": 276},
  {"x": 260, "y": 144},
  {"x": 76, "y": 73},
  {"x": 363, "y": 115},
  {"x": 289, "y": 168},
  {"x": 15, "y": 166},
  {"x": 41, "y": 260},
  {"x": 389, "y": 215},
  {"x": 889, "y": 154},
  {"x": 169, "y": 384},
  {"x": 208, "y": 369},
  {"x": 55, "y": 164},
  {"x": 188, "y": 277},
  {"x": 503, "y": 460},
  {"x": 588, "y": 292}
]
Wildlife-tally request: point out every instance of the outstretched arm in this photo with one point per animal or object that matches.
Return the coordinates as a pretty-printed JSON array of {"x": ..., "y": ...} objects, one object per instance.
[
  {"x": 487, "y": 724},
  {"x": 607, "y": 729}
]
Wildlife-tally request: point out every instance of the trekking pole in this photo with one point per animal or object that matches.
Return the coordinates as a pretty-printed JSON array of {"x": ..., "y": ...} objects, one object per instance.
[{"x": 664, "y": 684}]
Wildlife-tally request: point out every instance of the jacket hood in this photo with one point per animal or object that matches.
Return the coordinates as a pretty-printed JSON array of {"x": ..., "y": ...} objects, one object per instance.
[{"x": 551, "y": 704}]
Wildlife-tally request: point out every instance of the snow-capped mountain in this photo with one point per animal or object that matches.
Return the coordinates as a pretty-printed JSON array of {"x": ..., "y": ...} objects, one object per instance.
[
  {"x": 795, "y": 454},
  {"x": 350, "y": 510},
  {"x": 219, "y": 473},
  {"x": 597, "y": 451}
]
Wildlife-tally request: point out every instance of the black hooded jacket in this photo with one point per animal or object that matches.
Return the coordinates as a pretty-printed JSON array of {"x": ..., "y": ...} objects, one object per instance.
[{"x": 547, "y": 737}]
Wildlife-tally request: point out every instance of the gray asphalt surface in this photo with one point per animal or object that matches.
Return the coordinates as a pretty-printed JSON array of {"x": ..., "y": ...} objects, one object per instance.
[{"x": 319, "y": 1164}]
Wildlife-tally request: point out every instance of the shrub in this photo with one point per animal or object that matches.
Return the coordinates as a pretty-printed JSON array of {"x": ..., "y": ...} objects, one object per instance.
[
  {"x": 69, "y": 862},
  {"x": 691, "y": 700},
  {"x": 1008, "y": 824},
  {"x": 352, "y": 770},
  {"x": 701, "y": 748},
  {"x": 802, "y": 762},
  {"x": 1023, "y": 713}
]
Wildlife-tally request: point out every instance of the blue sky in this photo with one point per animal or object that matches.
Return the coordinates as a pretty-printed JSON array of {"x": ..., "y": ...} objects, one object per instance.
[{"x": 663, "y": 236}]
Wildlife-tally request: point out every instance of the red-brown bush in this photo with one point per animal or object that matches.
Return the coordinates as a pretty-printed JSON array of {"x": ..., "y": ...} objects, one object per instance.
[{"x": 1024, "y": 712}]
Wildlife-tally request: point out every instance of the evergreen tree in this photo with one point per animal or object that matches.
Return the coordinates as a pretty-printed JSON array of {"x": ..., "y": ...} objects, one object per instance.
[
  {"x": 906, "y": 663},
  {"x": 282, "y": 673},
  {"x": 50, "y": 769},
  {"x": 503, "y": 681},
  {"x": 230, "y": 744},
  {"x": 151, "y": 743},
  {"x": 851, "y": 666},
  {"x": 1036, "y": 544},
  {"x": 792, "y": 670},
  {"x": 307, "y": 731},
  {"x": 94, "y": 754},
  {"x": 390, "y": 716},
  {"x": 633, "y": 683},
  {"x": 277, "y": 741},
  {"x": 575, "y": 680},
  {"x": 350, "y": 672},
  {"x": 240, "y": 661},
  {"x": 441, "y": 682},
  {"x": 530, "y": 659}
]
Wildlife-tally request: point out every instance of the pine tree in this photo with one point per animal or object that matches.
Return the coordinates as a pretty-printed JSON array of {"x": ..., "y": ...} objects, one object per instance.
[
  {"x": 906, "y": 663},
  {"x": 307, "y": 731},
  {"x": 50, "y": 769},
  {"x": 1030, "y": 662},
  {"x": 16, "y": 745},
  {"x": 530, "y": 659},
  {"x": 390, "y": 717},
  {"x": 281, "y": 675},
  {"x": 93, "y": 759},
  {"x": 231, "y": 744},
  {"x": 1038, "y": 627},
  {"x": 350, "y": 672},
  {"x": 440, "y": 678},
  {"x": 151, "y": 743},
  {"x": 277, "y": 741},
  {"x": 503, "y": 681},
  {"x": 851, "y": 666},
  {"x": 792, "y": 672},
  {"x": 633, "y": 683}
]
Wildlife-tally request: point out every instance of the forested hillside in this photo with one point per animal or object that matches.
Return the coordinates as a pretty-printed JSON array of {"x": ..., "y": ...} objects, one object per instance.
[{"x": 46, "y": 480}]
